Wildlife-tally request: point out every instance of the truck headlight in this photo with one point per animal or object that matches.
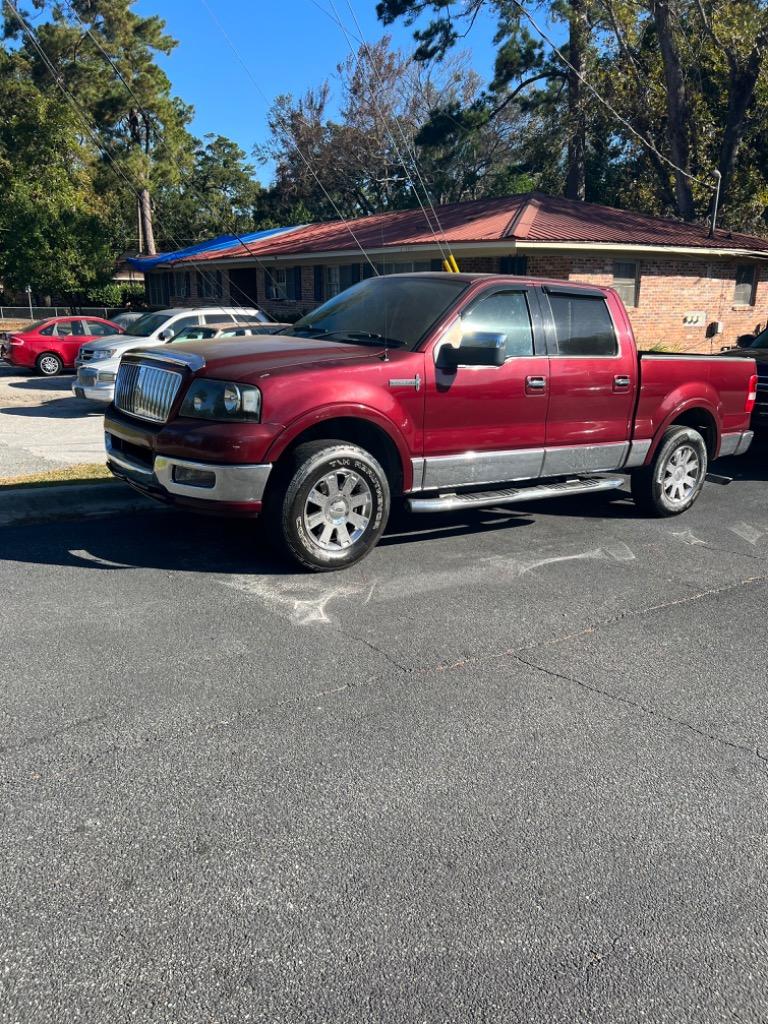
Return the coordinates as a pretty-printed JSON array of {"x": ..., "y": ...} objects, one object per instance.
[
  {"x": 102, "y": 353},
  {"x": 222, "y": 400}
]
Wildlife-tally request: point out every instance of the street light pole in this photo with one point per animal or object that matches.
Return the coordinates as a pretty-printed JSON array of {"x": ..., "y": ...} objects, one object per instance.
[{"x": 28, "y": 290}]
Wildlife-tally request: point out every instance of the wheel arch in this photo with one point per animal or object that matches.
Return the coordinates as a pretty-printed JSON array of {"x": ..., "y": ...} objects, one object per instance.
[
  {"x": 696, "y": 414},
  {"x": 357, "y": 427}
]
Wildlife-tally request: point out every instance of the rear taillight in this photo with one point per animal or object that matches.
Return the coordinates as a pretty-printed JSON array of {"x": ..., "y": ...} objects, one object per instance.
[{"x": 752, "y": 394}]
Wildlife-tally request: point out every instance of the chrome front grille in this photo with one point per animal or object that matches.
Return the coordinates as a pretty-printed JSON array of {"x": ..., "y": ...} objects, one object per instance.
[{"x": 146, "y": 391}]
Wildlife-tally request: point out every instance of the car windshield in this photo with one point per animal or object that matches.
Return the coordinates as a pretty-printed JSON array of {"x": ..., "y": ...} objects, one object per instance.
[
  {"x": 760, "y": 341},
  {"x": 147, "y": 324},
  {"x": 397, "y": 310},
  {"x": 196, "y": 333}
]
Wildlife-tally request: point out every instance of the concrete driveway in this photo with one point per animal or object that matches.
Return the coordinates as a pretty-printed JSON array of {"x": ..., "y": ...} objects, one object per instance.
[
  {"x": 511, "y": 768},
  {"x": 43, "y": 426}
]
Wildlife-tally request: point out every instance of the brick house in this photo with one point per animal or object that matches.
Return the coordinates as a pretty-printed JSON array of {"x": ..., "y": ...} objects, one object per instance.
[{"x": 684, "y": 290}]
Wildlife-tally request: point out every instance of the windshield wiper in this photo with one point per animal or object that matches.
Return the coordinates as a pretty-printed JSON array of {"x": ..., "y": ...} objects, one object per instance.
[{"x": 364, "y": 338}]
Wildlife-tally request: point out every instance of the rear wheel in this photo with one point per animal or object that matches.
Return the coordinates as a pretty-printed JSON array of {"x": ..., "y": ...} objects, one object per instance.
[
  {"x": 49, "y": 364},
  {"x": 329, "y": 505},
  {"x": 675, "y": 477}
]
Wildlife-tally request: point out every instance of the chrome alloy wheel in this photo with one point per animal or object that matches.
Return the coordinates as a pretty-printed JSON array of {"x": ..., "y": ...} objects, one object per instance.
[
  {"x": 49, "y": 365},
  {"x": 338, "y": 510},
  {"x": 681, "y": 475}
]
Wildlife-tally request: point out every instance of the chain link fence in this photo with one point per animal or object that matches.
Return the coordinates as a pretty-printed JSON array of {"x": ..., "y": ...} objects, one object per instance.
[{"x": 45, "y": 312}]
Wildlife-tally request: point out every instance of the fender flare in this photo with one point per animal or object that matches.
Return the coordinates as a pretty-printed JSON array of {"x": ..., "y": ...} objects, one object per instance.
[
  {"x": 345, "y": 410},
  {"x": 685, "y": 406}
]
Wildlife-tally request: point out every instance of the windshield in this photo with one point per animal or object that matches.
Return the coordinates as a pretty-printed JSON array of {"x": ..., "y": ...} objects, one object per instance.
[
  {"x": 196, "y": 333},
  {"x": 147, "y": 324},
  {"x": 397, "y": 310},
  {"x": 760, "y": 341}
]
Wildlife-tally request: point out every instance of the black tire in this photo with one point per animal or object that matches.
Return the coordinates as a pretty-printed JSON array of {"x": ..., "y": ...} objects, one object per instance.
[
  {"x": 320, "y": 527},
  {"x": 675, "y": 477},
  {"x": 49, "y": 364}
]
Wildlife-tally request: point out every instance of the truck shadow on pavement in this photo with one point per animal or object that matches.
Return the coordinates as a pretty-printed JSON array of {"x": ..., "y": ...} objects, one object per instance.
[
  {"x": 57, "y": 408},
  {"x": 53, "y": 384}
]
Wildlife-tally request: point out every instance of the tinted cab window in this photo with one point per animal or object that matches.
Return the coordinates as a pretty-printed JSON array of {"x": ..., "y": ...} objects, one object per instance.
[
  {"x": 583, "y": 325},
  {"x": 504, "y": 313}
]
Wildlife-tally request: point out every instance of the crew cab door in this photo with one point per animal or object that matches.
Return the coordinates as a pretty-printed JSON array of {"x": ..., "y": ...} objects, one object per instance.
[
  {"x": 486, "y": 424},
  {"x": 593, "y": 371}
]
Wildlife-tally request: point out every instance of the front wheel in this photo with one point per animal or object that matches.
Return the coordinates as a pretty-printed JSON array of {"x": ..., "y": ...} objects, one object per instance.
[
  {"x": 675, "y": 477},
  {"x": 329, "y": 505},
  {"x": 49, "y": 364}
]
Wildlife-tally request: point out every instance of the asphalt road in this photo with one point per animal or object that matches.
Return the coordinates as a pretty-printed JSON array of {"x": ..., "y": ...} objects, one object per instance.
[{"x": 513, "y": 767}]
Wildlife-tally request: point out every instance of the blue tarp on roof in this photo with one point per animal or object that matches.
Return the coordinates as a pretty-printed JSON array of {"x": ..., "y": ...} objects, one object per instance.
[{"x": 221, "y": 242}]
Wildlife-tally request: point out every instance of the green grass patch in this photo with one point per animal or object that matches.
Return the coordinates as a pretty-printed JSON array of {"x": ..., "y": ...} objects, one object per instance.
[{"x": 83, "y": 473}]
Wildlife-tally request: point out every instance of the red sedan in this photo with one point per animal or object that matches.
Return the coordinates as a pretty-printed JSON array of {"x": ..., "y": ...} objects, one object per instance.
[{"x": 50, "y": 346}]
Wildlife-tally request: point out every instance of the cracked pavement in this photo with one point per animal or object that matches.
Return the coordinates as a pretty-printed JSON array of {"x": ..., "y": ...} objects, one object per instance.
[{"x": 513, "y": 767}]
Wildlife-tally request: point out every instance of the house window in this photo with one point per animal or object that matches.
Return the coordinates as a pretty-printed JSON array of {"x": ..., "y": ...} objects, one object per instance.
[
  {"x": 284, "y": 283},
  {"x": 626, "y": 281},
  {"x": 209, "y": 284},
  {"x": 744, "y": 293},
  {"x": 181, "y": 286},
  {"x": 517, "y": 265}
]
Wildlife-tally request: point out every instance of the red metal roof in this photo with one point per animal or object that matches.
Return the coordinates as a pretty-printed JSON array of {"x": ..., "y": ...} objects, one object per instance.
[{"x": 531, "y": 217}]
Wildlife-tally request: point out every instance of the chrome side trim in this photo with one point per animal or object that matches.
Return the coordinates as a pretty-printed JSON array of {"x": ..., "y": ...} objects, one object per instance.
[
  {"x": 735, "y": 443},
  {"x": 585, "y": 458},
  {"x": 483, "y": 467},
  {"x": 513, "y": 496},
  {"x": 638, "y": 450},
  {"x": 418, "y": 474},
  {"x": 406, "y": 382},
  {"x": 233, "y": 483}
]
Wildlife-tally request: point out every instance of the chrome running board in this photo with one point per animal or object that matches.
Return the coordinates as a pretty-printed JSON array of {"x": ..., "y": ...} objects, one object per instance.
[{"x": 512, "y": 495}]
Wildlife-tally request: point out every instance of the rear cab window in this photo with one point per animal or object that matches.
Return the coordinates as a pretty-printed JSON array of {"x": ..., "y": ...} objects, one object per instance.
[{"x": 582, "y": 325}]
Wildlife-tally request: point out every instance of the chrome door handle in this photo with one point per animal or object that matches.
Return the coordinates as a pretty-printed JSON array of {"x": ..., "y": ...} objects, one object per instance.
[
  {"x": 535, "y": 383},
  {"x": 621, "y": 381}
]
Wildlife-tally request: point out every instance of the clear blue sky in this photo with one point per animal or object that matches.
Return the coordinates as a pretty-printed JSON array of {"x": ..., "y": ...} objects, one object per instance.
[{"x": 288, "y": 45}]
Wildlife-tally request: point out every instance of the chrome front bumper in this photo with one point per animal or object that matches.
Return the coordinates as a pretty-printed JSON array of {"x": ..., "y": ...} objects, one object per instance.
[{"x": 238, "y": 484}]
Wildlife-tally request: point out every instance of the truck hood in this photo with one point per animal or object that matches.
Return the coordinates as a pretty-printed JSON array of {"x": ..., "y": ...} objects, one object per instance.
[
  {"x": 250, "y": 358},
  {"x": 121, "y": 342}
]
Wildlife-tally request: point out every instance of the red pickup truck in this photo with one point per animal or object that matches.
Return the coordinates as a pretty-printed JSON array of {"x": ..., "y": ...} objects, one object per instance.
[{"x": 450, "y": 390}]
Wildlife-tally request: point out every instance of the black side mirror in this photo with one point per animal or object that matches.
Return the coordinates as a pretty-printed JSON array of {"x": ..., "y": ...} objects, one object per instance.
[
  {"x": 482, "y": 348},
  {"x": 745, "y": 340}
]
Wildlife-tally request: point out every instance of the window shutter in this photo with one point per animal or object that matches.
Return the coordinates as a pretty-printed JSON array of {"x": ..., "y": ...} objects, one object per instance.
[
  {"x": 367, "y": 271},
  {"x": 296, "y": 284},
  {"x": 319, "y": 290},
  {"x": 435, "y": 264}
]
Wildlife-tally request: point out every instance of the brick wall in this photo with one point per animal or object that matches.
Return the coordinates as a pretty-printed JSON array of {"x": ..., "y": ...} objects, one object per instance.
[{"x": 669, "y": 289}]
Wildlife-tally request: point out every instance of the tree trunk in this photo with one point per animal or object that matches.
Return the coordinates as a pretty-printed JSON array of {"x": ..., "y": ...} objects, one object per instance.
[
  {"x": 145, "y": 209},
  {"x": 678, "y": 109},
  {"x": 740, "y": 94},
  {"x": 576, "y": 180}
]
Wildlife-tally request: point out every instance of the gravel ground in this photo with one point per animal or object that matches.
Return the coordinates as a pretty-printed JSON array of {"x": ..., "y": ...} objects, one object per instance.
[{"x": 513, "y": 767}]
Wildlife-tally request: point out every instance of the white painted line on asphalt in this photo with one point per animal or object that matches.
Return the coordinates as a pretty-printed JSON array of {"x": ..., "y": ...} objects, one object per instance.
[
  {"x": 689, "y": 537},
  {"x": 86, "y": 556},
  {"x": 748, "y": 533}
]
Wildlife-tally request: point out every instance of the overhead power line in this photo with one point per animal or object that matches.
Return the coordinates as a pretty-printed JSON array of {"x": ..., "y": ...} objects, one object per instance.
[
  {"x": 445, "y": 252},
  {"x": 296, "y": 146},
  {"x": 622, "y": 120},
  {"x": 117, "y": 170}
]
